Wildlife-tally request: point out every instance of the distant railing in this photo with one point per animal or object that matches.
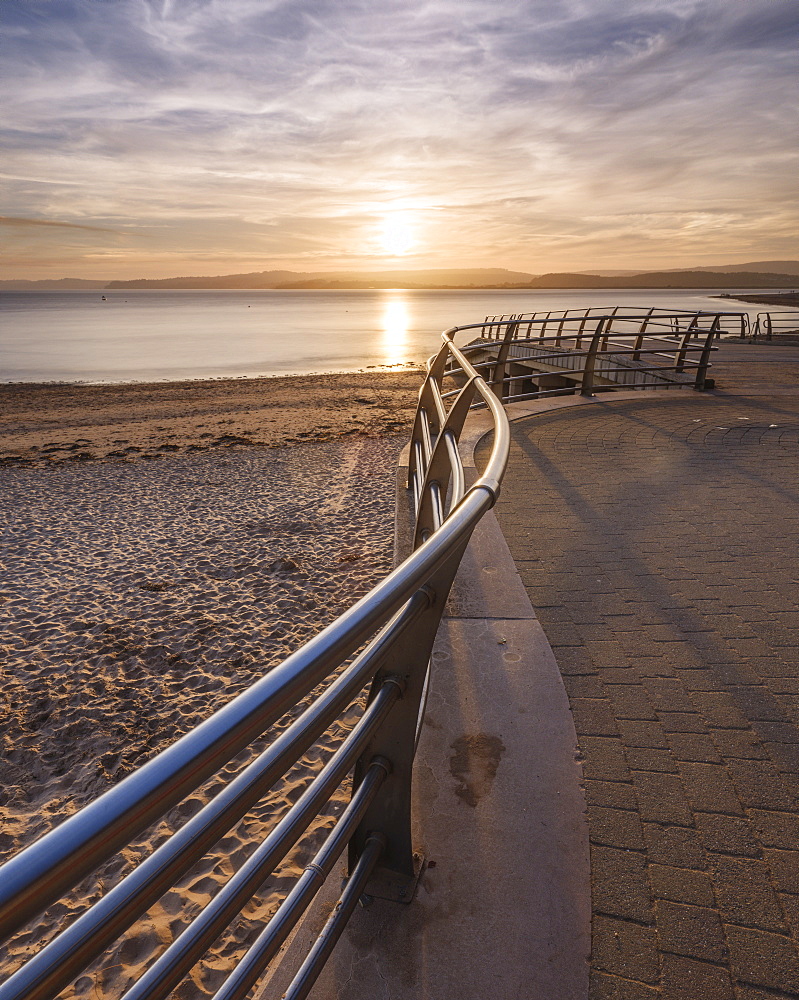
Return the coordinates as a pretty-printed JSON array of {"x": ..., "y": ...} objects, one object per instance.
[
  {"x": 592, "y": 350},
  {"x": 769, "y": 324},
  {"x": 397, "y": 621}
]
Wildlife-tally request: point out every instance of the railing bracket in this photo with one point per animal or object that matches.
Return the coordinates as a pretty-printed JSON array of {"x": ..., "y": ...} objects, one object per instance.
[{"x": 394, "y": 886}]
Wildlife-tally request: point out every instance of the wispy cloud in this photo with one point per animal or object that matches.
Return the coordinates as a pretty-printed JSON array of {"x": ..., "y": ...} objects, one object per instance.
[
  {"x": 25, "y": 223},
  {"x": 539, "y": 134}
]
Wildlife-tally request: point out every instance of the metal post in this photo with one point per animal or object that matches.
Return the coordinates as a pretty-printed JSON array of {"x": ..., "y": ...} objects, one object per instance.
[
  {"x": 590, "y": 361},
  {"x": 639, "y": 340},
  {"x": 680, "y": 358},
  {"x": 390, "y": 812},
  {"x": 701, "y": 371},
  {"x": 497, "y": 382}
]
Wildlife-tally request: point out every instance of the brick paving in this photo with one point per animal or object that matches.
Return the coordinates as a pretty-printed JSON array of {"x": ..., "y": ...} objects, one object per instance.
[{"x": 659, "y": 543}]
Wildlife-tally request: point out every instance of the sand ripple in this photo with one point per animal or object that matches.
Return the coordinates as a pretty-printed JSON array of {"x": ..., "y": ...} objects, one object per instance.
[{"x": 135, "y": 600}]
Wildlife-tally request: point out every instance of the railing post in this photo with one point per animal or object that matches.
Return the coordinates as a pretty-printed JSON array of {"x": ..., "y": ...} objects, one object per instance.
[
  {"x": 498, "y": 376},
  {"x": 704, "y": 360},
  {"x": 578, "y": 341},
  {"x": 390, "y": 812},
  {"x": 639, "y": 340},
  {"x": 686, "y": 339},
  {"x": 590, "y": 360}
]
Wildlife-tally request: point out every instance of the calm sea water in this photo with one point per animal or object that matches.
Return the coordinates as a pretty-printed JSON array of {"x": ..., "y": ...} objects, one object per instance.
[{"x": 167, "y": 335}]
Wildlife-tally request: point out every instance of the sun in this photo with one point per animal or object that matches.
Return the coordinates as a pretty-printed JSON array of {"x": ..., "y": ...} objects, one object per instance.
[{"x": 397, "y": 235}]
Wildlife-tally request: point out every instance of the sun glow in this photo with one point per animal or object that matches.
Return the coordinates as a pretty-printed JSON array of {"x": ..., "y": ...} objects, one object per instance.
[{"x": 397, "y": 235}]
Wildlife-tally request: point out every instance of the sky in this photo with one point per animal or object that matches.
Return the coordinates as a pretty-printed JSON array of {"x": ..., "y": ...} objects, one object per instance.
[{"x": 155, "y": 139}]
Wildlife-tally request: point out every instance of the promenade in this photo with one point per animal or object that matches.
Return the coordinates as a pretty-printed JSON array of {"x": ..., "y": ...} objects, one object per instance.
[{"x": 658, "y": 540}]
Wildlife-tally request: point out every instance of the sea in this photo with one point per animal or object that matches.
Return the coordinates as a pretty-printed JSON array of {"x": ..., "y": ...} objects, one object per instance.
[{"x": 121, "y": 336}]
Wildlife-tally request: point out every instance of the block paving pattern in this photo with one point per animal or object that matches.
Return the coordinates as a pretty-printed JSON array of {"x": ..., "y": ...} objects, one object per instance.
[{"x": 659, "y": 543}]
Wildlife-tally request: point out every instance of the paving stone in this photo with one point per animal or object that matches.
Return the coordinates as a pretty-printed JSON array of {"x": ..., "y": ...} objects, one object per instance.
[
  {"x": 741, "y": 743},
  {"x": 697, "y": 747},
  {"x": 784, "y": 867},
  {"x": 661, "y": 798},
  {"x": 745, "y": 893},
  {"x": 674, "y": 845},
  {"x": 593, "y": 717},
  {"x": 763, "y": 959},
  {"x": 645, "y": 759},
  {"x": 720, "y": 710},
  {"x": 681, "y": 885},
  {"x": 605, "y": 987},
  {"x": 746, "y": 992},
  {"x": 790, "y": 907},
  {"x": 693, "y": 931},
  {"x": 709, "y": 788},
  {"x": 642, "y": 734},
  {"x": 688, "y": 979},
  {"x": 668, "y": 695},
  {"x": 630, "y": 702},
  {"x": 615, "y": 827},
  {"x": 759, "y": 785},
  {"x": 776, "y": 829},
  {"x": 682, "y": 722},
  {"x": 727, "y": 834},
  {"x": 625, "y": 949},
  {"x": 786, "y": 757},
  {"x": 604, "y": 758},
  {"x": 620, "y": 885},
  {"x": 613, "y": 794},
  {"x": 777, "y": 732},
  {"x": 584, "y": 686},
  {"x": 757, "y": 703}
]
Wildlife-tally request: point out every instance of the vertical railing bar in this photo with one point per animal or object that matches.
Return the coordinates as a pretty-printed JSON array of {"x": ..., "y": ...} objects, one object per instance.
[
  {"x": 268, "y": 942},
  {"x": 57, "y": 964},
  {"x": 456, "y": 466},
  {"x": 309, "y": 971},
  {"x": 173, "y": 964}
]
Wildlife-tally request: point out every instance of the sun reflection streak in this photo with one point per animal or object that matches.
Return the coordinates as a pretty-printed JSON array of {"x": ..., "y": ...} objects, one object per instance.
[{"x": 396, "y": 321}]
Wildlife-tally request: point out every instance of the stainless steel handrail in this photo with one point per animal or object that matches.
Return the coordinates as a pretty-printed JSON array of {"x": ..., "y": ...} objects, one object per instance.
[
  {"x": 614, "y": 354},
  {"x": 397, "y": 620}
]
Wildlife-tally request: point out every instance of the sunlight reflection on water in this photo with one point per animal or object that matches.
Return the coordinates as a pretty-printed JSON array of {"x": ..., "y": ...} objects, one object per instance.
[{"x": 396, "y": 326}]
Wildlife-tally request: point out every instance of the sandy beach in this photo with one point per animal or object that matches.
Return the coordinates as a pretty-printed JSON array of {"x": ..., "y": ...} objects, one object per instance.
[
  {"x": 51, "y": 423},
  {"x": 139, "y": 595}
]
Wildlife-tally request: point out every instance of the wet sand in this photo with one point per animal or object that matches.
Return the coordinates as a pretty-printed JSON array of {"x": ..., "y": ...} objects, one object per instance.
[{"x": 139, "y": 596}]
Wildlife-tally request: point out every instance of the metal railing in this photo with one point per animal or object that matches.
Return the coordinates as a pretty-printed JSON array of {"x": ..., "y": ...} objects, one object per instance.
[
  {"x": 593, "y": 350},
  {"x": 672, "y": 321},
  {"x": 769, "y": 324},
  {"x": 390, "y": 633}
]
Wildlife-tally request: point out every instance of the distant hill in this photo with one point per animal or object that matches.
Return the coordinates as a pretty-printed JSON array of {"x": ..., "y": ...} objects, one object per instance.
[
  {"x": 52, "y": 284},
  {"x": 460, "y": 277},
  {"x": 666, "y": 279},
  {"x": 761, "y": 266},
  {"x": 759, "y": 274}
]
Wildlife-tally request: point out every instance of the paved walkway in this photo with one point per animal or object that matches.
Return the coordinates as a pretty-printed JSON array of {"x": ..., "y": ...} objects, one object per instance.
[{"x": 658, "y": 540}]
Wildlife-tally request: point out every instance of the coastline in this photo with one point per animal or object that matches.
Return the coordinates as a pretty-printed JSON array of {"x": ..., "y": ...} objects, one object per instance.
[
  {"x": 42, "y": 424},
  {"x": 790, "y": 299}
]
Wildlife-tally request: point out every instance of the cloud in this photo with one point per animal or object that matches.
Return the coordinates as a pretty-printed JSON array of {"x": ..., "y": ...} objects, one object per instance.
[
  {"x": 519, "y": 132},
  {"x": 25, "y": 223}
]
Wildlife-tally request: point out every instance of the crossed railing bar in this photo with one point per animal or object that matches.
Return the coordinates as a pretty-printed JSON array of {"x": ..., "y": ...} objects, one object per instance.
[{"x": 397, "y": 621}]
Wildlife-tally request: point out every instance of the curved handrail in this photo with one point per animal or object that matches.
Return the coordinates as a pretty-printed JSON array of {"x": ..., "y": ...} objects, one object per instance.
[{"x": 397, "y": 620}]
